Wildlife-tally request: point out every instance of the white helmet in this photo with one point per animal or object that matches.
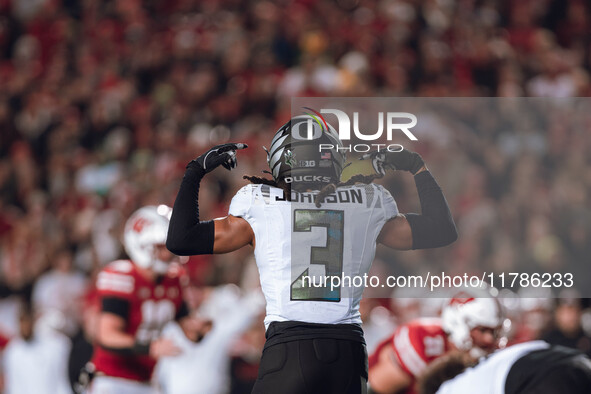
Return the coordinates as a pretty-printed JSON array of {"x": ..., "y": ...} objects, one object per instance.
[
  {"x": 467, "y": 310},
  {"x": 146, "y": 227}
]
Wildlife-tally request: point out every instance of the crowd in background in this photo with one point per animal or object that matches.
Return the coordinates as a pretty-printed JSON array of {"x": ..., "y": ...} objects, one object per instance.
[{"x": 102, "y": 104}]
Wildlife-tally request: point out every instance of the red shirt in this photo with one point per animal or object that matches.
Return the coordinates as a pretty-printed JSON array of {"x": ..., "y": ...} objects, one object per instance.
[
  {"x": 415, "y": 345},
  {"x": 151, "y": 306}
]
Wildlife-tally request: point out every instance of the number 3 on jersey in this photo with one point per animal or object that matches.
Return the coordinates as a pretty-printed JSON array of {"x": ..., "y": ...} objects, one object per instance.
[{"x": 306, "y": 287}]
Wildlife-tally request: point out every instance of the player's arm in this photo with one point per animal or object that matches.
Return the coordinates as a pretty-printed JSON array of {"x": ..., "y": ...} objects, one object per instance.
[
  {"x": 231, "y": 233},
  {"x": 112, "y": 335},
  {"x": 187, "y": 235},
  {"x": 386, "y": 376},
  {"x": 434, "y": 227},
  {"x": 443, "y": 369},
  {"x": 111, "y": 331}
]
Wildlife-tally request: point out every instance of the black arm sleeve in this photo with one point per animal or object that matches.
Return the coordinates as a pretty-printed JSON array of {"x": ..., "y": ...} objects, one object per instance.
[
  {"x": 116, "y": 306},
  {"x": 120, "y": 307},
  {"x": 435, "y": 227},
  {"x": 136, "y": 350},
  {"x": 188, "y": 236}
]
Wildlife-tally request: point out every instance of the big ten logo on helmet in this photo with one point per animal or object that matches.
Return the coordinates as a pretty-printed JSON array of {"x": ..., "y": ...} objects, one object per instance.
[{"x": 391, "y": 122}]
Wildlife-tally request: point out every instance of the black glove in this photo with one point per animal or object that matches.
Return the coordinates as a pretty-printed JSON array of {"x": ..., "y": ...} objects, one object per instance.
[
  {"x": 403, "y": 160},
  {"x": 224, "y": 155}
]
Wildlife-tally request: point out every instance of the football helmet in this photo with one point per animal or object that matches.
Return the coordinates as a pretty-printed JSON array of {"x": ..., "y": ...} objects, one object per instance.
[
  {"x": 306, "y": 150},
  {"x": 467, "y": 310},
  {"x": 145, "y": 228}
]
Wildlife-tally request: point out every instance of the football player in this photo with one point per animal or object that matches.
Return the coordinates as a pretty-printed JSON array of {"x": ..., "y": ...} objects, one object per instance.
[
  {"x": 138, "y": 297},
  {"x": 467, "y": 324},
  {"x": 532, "y": 367},
  {"x": 303, "y": 222}
]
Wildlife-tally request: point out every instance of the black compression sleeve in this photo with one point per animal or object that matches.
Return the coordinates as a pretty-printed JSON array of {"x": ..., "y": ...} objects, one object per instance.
[
  {"x": 116, "y": 306},
  {"x": 434, "y": 227},
  {"x": 136, "y": 350},
  {"x": 188, "y": 236},
  {"x": 120, "y": 307}
]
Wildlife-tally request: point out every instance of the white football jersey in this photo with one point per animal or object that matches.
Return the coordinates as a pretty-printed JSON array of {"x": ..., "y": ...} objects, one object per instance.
[
  {"x": 489, "y": 375},
  {"x": 299, "y": 245}
]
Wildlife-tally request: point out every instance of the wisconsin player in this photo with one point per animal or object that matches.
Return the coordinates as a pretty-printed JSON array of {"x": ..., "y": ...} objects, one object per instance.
[
  {"x": 305, "y": 223},
  {"x": 138, "y": 297},
  {"x": 467, "y": 324}
]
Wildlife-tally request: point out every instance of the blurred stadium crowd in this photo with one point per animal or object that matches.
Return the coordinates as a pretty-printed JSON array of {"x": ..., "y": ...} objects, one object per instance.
[{"x": 102, "y": 103}]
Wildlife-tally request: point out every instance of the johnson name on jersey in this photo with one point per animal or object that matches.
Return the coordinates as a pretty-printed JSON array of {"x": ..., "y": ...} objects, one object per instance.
[{"x": 296, "y": 241}]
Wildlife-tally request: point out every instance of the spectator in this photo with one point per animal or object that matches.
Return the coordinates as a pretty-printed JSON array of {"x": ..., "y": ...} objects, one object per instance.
[
  {"x": 204, "y": 367},
  {"x": 35, "y": 361},
  {"x": 61, "y": 289},
  {"x": 568, "y": 329},
  {"x": 94, "y": 126}
]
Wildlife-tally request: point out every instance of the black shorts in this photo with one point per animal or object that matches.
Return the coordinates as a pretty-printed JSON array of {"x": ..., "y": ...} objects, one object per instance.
[
  {"x": 550, "y": 371},
  {"x": 306, "y": 358}
]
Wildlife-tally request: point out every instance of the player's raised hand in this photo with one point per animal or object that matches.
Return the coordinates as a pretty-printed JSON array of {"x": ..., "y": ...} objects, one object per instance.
[
  {"x": 224, "y": 155},
  {"x": 402, "y": 160},
  {"x": 163, "y": 347}
]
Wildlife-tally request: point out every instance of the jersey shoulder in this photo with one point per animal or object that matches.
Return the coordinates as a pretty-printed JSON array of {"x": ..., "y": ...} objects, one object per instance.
[
  {"x": 426, "y": 325},
  {"x": 117, "y": 278},
  {"x": 419, "y": 342},
  {"x": 247, "y": 190},
  {"x": 387, "y": 201},
  {"x": 242, "y": 200},
  {"x": 254, "y": 194},
  {"x": 376, "y": 197}
]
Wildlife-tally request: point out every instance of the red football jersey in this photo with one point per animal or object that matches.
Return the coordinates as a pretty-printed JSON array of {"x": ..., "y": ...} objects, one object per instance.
[
  {"x": 151, "y": 306},
  {"x": 415, "y": 345}
]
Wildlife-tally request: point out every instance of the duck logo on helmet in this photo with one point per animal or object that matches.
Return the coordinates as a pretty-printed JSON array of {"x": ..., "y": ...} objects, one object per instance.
[{"x": 290, "y": 158}]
